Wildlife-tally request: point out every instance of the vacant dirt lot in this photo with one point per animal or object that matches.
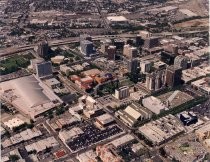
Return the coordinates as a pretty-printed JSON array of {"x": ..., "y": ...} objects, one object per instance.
[{"x": 193, "y": 23}]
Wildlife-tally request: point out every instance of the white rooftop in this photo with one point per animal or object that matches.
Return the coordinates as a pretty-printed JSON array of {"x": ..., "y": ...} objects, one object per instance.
[
  {"x": 69, "y": 134},
  {"x": 116, "y": 18},
  {"x": 154, "y": 104},
  {"x": 122, "y": 140},
  {"x": 14, "y": 122},
  {"x": 42, "y": 144},
  {"x": 105, "y": 118},
  {"x": 187, "y": 12},
  {"x": 132, "y": 112},
  {"x": 29, "y": 94}
]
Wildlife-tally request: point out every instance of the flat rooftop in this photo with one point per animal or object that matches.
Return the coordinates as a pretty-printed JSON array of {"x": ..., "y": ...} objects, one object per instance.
[
  {"x": 160, "y": 130},
  {"x": 117, "y": 18},
  {"x": 29, "y": 95},
  {"x": 154, "y": 104},
  {"x": 175, "y": 98}
]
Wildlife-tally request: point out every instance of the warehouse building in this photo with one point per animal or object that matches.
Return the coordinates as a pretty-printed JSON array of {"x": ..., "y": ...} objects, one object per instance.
[
  {"x": 133, "y": 113},
  {"x": 29, "y": 95}
]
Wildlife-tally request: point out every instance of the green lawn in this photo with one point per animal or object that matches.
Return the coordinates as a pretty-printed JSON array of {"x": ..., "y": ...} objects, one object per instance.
[{"x": 14, "y": 63}]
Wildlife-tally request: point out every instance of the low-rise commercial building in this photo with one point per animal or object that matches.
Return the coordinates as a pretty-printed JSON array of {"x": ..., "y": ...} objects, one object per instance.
[
  {"x": 57, "y": 59},
  {"x": 105, "y": 120},
  {"x": 138, "y": 149},
  {"x": 14, "y": 122},
  {"x": 42, "y": 145},
  {"x": 138, "y": 95},
  {"x": 161, "y": 130},
  {"x": 189, "y": 75},
  {"x": 65, "y": 69},
  {"x": 2, "y": 130},
  {"x": 64, "y": 122},
  {"x": 52, "y": 83},
  {"x": 203, "y": 85},
  {"x": 107, "y": 153},
  {"x": 23, "y": 136},
  {"x": 92, "y": 72},
  {"x": 93, "y": 113},
  {"x": 117, "y": 143},
  {"x": 88, "y": 156},
  {"x": 117, "y": 20},
  {"x": 203, "y": 133},
  {"x": 66, "y": 135}
]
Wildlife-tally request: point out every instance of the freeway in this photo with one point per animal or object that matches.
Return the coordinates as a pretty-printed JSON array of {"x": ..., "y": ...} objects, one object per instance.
[{"x": 14, "y": 50}]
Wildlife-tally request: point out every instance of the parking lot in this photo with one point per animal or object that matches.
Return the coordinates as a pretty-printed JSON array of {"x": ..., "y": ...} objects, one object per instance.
[
  {"x": 191, "y": 92},
  {"x": 91, "y": 136},
  {"x": 202, "y": 110}
]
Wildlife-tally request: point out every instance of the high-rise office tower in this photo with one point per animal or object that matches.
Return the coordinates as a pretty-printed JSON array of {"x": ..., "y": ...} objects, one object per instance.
[
  {"x": 85, "y": 37},
  {"x": 44, "y": 69},
  {"x": 119, "y": 43},
  {"x": 132, "y": 65},
  {"x": 155, "y": 80},
  {"x": 151, "y": 42},
  {"x": 139, "y": 41},
  {"x": 43, "y": 49},
  {"x": 86, "y": 47},
  {"x": 181, "y": 61},
  {"x": 105, "y": 44},
  {"x": 126, "y": 49},
  {"x": 122, "y": 92},
  {"x": 132, "y": 52},
  {"x": 145, "y": 66},
  {"x": 173, "y": 76},
  {"x": 129, "y": 51},
  {"x": 111, "y": 51},
  {"x": 172, "y": 48}
]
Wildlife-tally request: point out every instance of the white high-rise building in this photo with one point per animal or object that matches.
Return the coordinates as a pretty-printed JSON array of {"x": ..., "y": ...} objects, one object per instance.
[
  {"x": 129, "y": 51},
  {"x": 126, "y": 49},
  {"x": 145, "y": 66},
  {"x": 86, "y": 47},
  {"x": 155, "y": 81},
  {"x": 122, "y": 92}
]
